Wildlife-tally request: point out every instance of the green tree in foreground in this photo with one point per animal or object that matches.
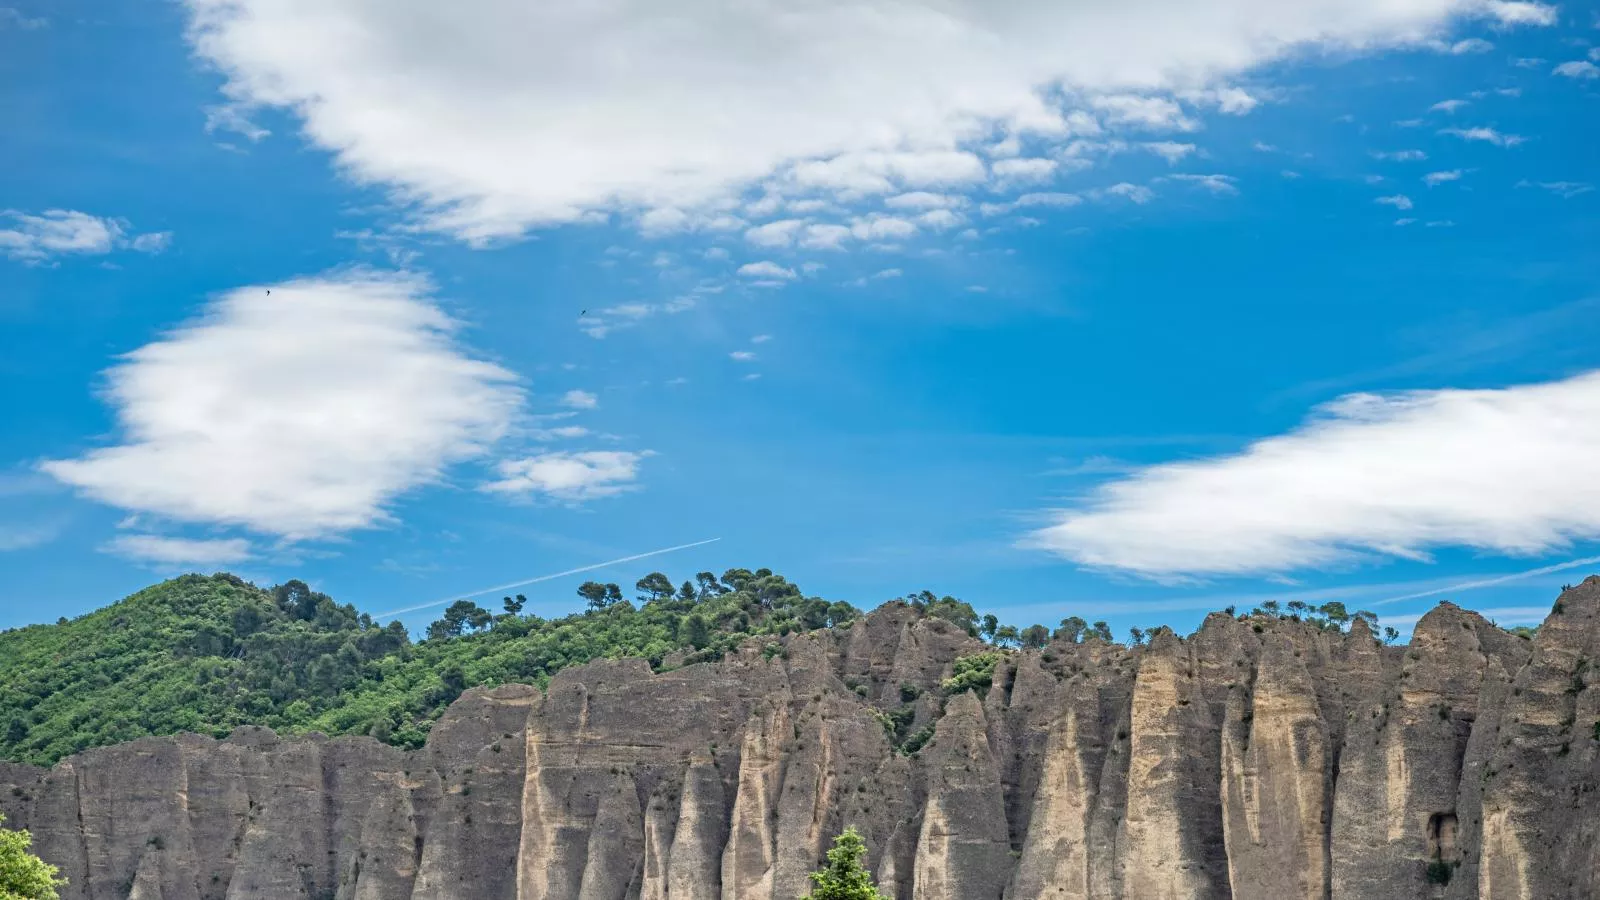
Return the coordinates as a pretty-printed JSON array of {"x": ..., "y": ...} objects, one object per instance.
[
  {"x": 845, "y": 878},
  {"x": 24, "y": 876}
]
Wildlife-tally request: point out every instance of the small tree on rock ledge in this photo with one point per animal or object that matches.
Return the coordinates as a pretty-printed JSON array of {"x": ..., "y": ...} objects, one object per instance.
[{"x": 845, "y": 878}]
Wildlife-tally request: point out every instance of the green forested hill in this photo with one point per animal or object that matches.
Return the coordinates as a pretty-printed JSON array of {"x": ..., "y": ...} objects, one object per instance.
[{"x": 206, "y": 654}]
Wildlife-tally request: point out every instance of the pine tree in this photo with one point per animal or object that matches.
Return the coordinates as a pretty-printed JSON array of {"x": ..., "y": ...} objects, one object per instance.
[
  {"x": 845, "y": 878},
  {"x": 24, "y": 876}
]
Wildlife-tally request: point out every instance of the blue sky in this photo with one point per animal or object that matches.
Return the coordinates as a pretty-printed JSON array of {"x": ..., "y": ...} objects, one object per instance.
[{"x": 1127, "y": 312}]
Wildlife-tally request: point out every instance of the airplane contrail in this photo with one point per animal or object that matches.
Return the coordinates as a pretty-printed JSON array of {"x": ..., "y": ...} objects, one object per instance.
[
  {"x": 536, "y": 580},
  {"x": 1502, "y": 579}
]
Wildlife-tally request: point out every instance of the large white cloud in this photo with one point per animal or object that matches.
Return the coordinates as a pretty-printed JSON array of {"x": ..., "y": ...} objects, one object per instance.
[
  {"x": 1511, "y": 471},
  {"x": 496, "y": 115},
  {"x": 298, "y": 413}
]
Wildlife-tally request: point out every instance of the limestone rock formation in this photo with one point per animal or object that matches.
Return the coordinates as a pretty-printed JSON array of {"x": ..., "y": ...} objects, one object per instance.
[{"x": 1259, "y": 759}]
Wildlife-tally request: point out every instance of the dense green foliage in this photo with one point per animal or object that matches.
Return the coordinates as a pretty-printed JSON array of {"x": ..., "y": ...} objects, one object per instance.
[
  {"x": 844, "y": 877},
  {"x": 972, "y": 673},
  {"x": 206, "y": 654},
  {"x": 24, "y": 876}
]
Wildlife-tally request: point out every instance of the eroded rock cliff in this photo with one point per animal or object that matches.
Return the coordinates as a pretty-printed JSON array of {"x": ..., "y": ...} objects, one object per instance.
[{"x": 1254, "y": 759}]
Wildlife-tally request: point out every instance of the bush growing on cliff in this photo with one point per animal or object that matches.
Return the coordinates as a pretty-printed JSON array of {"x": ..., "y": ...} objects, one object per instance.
[
  {"x": 972, "y": 673},
  {"x": 845, "y": 877},
  {"x": 24, "y": 876}
]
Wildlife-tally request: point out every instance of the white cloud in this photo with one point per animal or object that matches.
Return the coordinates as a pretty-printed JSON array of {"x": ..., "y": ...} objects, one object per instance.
[
  {"x": 1398, "y": 201},
  {"x": 1137, "y": 193},
  {"x": 1449, "y": 106},
  {"x": 1024, "y": 170},
  {"x": 26, "y": 537},
  {"x": 1528, "y": 62},
  {"x": 1509, "y": 471},
  {"x": 939, "y": 219},
  {"x": 1405, "y": 221},
  {"x": 1043, "y": 198},
  {"x": 742, "y": 356},
  {"x": 843, "y": 97},
  {"x": 234, "y": 118},
  {"x": 1150, "y": 113},
  {"x": 1563, "y": 189},
  {"x": 1401, "y": 155},
  {"x": 153, "y": 242},
  {"x": 925, "y": 200},
  {"x": 579, "y": 400},
  {"x": 887, "y": 273},
  {"x": 1171, "y": 151},
  {"x": 1216, "y": 184},
  {"x": 1581, "y": 69},
  {"x": 171, "y": 551},
  {"x": 1434, "y": 178},
  {"x": 58, "y": 232},
  {"x": 765, "y": 269},
  {"x": 1485, "y": 134},
  {"x": 572, "y": 477},
  {"x": 1229, "y": 101},
  {"x": 775, "y": 234},
  {"x": 1470, "y": 45},
  {"x": 825, "y": 237},
  {"x": 562, "y": 433},
  {"x": 301, "y": 413},
  {"x": 761, "y": 339},
  {"x": 880, "y": 228},
  {"x": 1518, "y": 13},
  {"x": 10, "y": 17},
  {"x": 717, "y": 253}
]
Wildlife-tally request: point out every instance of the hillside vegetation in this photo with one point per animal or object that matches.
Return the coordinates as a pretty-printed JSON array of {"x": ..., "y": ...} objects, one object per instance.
[
  {"x": 206, "y": 654},
  {"x": 209, "y": 653}
]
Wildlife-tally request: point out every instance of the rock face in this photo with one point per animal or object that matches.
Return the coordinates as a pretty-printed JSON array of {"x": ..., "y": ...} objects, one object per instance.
[{"x": 1258, "y": 759}]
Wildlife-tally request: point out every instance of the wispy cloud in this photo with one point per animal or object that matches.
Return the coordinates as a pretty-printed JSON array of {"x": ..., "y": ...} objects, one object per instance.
[
  {"x": 1510, "y": 471},
  {"x": 14, "y": 18},
  {"x": 1523, "y": 13},
  {"x": 1563, "y": 189},
  {"x": 1449, "y": 106},
  {"x": 1485, "y": 134},
  {"x": 1216, "y": 184},
  {"x": 1398, "y": 201},
  {"x": 1135, "y": 193},
  {"x": 1436, "y": 178},
  {"x": 26, "y": 536},
  {"x": 171, "y": 551},
  {"x": 1580, "y": 69},
  {"x": 64, "y": 232},
  {"x": 765, "y": 269},
  {"x": 576, "y": 399},
  {"x": 571, "y": 477},
  {"x": 1400, "y": 155}
]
